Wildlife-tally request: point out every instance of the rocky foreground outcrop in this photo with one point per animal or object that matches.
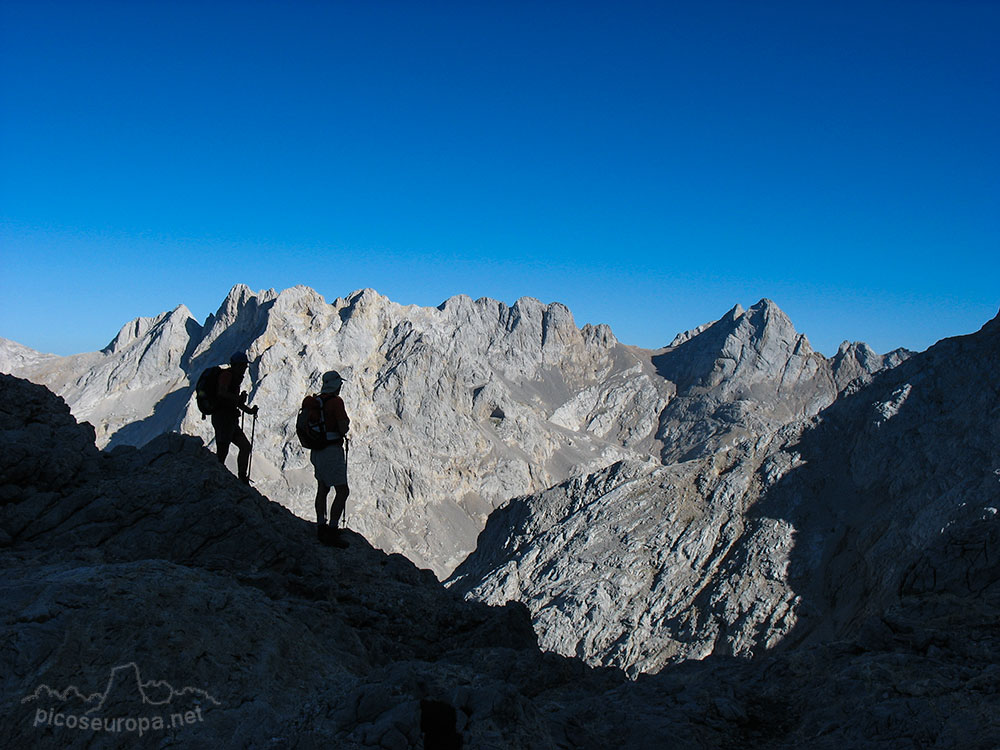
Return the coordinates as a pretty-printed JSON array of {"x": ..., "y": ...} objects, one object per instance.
[{"x": 150, "y": 585}]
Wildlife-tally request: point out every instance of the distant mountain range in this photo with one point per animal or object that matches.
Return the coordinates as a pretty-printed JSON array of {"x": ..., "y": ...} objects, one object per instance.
[{"x": 455, "y": 409}]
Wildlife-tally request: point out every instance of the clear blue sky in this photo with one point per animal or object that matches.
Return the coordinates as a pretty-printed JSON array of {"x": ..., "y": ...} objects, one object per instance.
[{"x": 648, "y": 164}]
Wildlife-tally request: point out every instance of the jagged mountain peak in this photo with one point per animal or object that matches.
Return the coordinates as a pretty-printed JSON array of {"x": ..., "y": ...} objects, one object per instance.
[
  {"x": 755, "y": 319},
  {"x": 366, "y": 297},
  {"x": 239, "y": 294},
  {"x": 137, "y": 328},
  {"x": 767, "y": 304},
  {"x": 300, "y": 300},
  {"x": 860, "y": 347},
  {"x": 853, "y": 360},
  {"x": 686, "y": 336},
  {"x": 737, "y": 350},
  {"x": 766, "y": 314},
  {"x": 529, "y": 305},
  {"x": 525, "y": 306},
  {"x": 240, "y": 298}
]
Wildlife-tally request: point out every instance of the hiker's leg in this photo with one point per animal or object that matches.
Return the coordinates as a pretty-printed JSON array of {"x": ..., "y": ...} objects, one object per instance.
[
  {"x": 241, "y": 441},
  {"x": 339, "y": 503},
  {"x": 321, "y": 494},
  {"x": 223, "y": 436}
]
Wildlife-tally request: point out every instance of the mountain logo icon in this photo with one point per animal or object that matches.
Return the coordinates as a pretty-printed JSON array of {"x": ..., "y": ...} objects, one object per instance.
[
  {"x": 124, "y": 683},
  {"x": 127, "y": 704}
]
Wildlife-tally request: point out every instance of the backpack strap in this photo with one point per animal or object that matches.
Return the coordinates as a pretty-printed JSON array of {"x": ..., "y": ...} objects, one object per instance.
[
  {"x": 322, "y": 408},
  {"x": 322, "y": 412}
]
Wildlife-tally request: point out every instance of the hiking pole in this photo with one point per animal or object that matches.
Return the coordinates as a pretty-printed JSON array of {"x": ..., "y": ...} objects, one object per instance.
[
  {"x": 253, "y": 431},
  {"x": 347, "y": 452}
]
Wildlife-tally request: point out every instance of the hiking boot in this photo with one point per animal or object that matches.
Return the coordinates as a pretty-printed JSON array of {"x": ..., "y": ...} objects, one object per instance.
[
  {"x": 336, "y": 539},
  {"x": 322, "y": 532}
]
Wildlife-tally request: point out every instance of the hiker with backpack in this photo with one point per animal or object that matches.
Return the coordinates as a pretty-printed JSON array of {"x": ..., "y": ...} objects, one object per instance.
[
  {"x": 322, "y": 427},
  {"x": 219, "y": 395}
]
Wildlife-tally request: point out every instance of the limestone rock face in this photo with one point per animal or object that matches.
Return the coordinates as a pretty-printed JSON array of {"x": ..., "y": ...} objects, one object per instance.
[
  {"x": 13, "y": 355},
  {"x": 809, "y": 533},
  {"x": 454, "y": 409},
  {"x": 639, "y": 565},
  {"x": 855, "y": 363},
  {"x": 130, "y": 390},
  {"x": 450, "y": 406}
]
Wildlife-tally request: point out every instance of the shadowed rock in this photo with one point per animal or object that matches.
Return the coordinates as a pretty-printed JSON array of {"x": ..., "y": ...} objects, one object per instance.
[{"x": 159, "y": 564}]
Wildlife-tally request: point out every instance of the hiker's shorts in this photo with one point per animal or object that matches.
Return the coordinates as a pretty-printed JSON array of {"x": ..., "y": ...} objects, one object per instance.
[
  {"x": 228, "y": 430},
  {"x": 330, "y": 465}
]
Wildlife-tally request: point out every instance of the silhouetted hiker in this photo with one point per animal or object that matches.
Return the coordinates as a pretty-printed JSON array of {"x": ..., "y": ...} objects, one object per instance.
[
  {"x": 229, "y": 402},
  {"x": 325, "y": 415}
]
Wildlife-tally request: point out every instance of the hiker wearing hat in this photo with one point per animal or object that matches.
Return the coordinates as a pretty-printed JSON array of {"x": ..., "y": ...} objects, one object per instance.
[
  {"x": 229, "y": 402},
  {"x": 330, "y": 461}
]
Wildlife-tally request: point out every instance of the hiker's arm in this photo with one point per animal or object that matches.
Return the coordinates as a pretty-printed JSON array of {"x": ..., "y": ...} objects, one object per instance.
[
  {"x": 243, "y": 404},
  {"x": 340, "y": 416},
  {"x": 238, "y": 401}
]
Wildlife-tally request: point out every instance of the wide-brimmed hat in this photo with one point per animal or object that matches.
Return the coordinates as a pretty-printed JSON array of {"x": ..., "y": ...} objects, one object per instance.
[{"x": 331, "y": 382}]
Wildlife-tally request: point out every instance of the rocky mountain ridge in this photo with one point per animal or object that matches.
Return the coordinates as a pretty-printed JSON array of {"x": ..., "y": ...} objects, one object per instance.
[
  {"x": 455, "y": 409},
  {"x": 801, "y": 534}
]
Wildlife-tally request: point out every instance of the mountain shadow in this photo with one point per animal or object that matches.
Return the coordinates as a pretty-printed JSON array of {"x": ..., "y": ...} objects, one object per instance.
[
  {"x": 893, "y": 498},
  {"x": 894, "y": 489},
  {"x": 164, "y": 419}
]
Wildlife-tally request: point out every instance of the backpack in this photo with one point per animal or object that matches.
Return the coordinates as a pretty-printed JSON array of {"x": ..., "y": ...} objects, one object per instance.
[
  {"x": 206, "y": 389},
  {"x": 310, "y": 426}
]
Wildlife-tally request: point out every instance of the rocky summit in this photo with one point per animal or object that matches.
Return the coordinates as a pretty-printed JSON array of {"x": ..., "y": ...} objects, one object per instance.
[
  {"x": 455, "y": 409},
  {"x": 149, "y": 599}
]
